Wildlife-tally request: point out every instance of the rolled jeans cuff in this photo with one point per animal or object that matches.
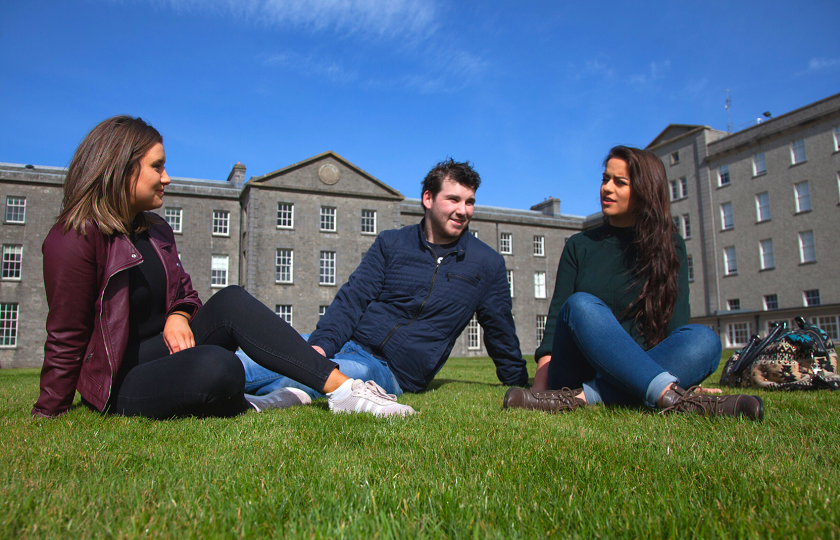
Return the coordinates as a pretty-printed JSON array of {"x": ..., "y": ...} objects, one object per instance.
[
  {"x": 591, "y": 392},
  {"x": 656, "y": 387}
]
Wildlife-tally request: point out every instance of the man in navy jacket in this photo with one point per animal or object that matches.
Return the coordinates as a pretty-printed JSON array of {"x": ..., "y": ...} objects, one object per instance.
[{"x": 396, "y": 319}]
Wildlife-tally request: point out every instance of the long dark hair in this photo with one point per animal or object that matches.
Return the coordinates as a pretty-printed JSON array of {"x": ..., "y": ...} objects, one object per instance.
[
  {"x": 656, "y": 265},
  {"x": 102, "y": 174}
]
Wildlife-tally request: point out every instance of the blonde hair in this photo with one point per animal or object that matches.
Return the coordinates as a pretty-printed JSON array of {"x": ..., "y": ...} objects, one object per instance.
[{"x": 102, "y": 174}]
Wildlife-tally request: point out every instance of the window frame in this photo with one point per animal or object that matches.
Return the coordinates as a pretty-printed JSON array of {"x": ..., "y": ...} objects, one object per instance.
[
  {"x": 473, "y": 334},
  {"x": 328, "y": 215},
  {"x": 179, "y": 219},
  {"x": 733, "y": 304},
  {"x": 9, "y": 324},
  {"x": 759, "y": 216},
  {"x": 802, "y": 198},
  {"x": 279, "y": 310},
  {"x": 214, "y": 282},
  {"x": 539, "y": 245},
  {"x": 730, "y": 261},
  {"x": 726, "y": 212},
  {"x": 803, "y": 246},
  {"x": 13, "y": 209},
  {"x": 221, "y": 223},
  {"x": 721, "y": 183},
  {"x": 285, "y": 215},
  {"x": 764, "y": 254},
  {"x": 506, "y": 243},
  {"x": 10, "y": 265},
  {"x": 289, "y": 265},
  {"x": 690, "y": 267},
  {"x": 327, "y": 268},
  {"x": 363, "y": 223},
  {"x": 769, "y": 299},
  {"x": 734, "y": 330},
  {"x": 510, "y": 281},
  {"x": 686, "y": 226},
  {"x": 755, "y": 160},
  {"x": 797, "y": 147},
  {"x": 539, "y": 284},
  {"x": 541, "y": 321},
  {"x": 813, "y": 299}
]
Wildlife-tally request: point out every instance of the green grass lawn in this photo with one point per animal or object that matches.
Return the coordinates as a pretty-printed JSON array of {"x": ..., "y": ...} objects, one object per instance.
[{"x": 464, "y": 468}]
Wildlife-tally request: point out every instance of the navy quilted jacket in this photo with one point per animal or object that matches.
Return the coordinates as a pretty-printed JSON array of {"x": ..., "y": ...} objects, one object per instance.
[{"x": 408, "y": 308}]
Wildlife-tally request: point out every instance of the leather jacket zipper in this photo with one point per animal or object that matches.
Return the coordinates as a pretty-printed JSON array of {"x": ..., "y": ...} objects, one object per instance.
[{"x": 420, "y": 309}]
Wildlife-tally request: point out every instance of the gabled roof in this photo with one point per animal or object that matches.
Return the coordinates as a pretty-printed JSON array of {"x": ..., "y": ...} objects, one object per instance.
[
  {"x": 672, "y": 132},
  {"x": 297, "y": 177}
]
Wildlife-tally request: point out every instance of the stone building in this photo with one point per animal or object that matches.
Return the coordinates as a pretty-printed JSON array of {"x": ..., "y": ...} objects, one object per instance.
[
  {"x": 760, "y": 213},
  {"x": 291, "y": 237}
]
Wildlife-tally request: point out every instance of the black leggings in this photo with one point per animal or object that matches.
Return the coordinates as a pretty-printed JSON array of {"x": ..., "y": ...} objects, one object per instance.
[{"x": 208, "y": 379}]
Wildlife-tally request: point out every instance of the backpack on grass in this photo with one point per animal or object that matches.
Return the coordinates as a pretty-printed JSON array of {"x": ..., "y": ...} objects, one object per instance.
[{"x": 785, "y": 359}]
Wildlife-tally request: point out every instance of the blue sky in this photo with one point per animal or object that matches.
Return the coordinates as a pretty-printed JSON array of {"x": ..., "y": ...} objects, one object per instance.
[{"x": 534, "y": 93}]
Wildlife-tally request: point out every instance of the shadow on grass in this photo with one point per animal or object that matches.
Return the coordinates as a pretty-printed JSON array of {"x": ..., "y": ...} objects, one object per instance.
[{"x": 437, "y": 383}]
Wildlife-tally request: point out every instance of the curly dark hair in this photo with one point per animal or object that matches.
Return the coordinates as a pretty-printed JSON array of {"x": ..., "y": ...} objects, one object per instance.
[
  {"x": 463, "y": 173},
  {"x": 656, "y": 264}
]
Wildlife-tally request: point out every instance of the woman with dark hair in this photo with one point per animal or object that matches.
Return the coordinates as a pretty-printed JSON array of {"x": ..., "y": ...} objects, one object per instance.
[
  {"x": 617, "y": 330},
  {"x": 125, "y": 327}
]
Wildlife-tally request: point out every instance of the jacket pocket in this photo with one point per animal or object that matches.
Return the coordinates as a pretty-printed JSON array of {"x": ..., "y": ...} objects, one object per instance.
[{"x": 471, "y": 280}]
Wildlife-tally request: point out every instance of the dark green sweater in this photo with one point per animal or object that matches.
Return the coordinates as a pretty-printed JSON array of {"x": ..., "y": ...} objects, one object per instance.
[{"x": 598, "y": 262}]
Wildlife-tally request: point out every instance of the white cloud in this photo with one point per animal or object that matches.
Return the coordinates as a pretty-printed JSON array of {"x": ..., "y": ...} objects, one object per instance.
[
  {"x": 656, "y": 71},
  {"x": 820, "y": 64},
  {"x": 375, "y": 18},
  {"x": 311, "y": 65}
]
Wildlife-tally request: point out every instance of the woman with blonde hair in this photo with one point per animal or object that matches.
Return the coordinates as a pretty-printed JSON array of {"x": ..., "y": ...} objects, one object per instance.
[
  {"x": 617, "y": 330},
  {"x": 125, "y": 327}
]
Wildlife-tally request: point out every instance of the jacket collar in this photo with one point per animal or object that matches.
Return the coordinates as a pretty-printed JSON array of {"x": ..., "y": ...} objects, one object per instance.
[{"x": 461, "y": 246}]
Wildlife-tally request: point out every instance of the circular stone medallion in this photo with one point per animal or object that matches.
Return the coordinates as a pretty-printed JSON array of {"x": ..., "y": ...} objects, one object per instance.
[{"x": 329, "y": 174}]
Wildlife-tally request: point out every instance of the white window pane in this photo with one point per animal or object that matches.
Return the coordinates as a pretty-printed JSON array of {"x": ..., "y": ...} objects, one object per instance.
[
  {"x": 807, "y": 249},
  {"x": 766, "y": 249},
  {"x": 8, "y": 324},
  {"x": 539, "y": 284},
  {"x": 762, "y": 206},
  {"x": 219, "y": 271},
  {"x": 285, "y": 215},
  {"x": 803, "y": 196},
  {"x": 797, "y": 151},
  {"x": 12, "y": 261}
]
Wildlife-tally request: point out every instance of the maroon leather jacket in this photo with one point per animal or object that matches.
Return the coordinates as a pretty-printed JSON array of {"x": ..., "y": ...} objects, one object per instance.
[{"x": 87, "y": 293}]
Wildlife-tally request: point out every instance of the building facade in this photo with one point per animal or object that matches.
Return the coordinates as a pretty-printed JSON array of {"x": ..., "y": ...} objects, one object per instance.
[
  {"x": 291, "y": 237},
  {"x": 760, "y": 213}
]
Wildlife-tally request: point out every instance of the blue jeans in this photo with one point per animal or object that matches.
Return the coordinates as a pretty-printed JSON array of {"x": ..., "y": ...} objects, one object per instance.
[
  {"x": 353, "y": 360},
  {"x": 592, "y": 350}
]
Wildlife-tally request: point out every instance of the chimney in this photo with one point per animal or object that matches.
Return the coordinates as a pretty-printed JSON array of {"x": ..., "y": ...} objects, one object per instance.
[
  {"x": 549, "y": 207},
  {"x": 237, "y": 175}
]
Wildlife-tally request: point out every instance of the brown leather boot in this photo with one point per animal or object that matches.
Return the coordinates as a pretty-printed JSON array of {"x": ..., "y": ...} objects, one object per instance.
[
  {"x": 693, "y": 401},
  {"x": 550, "y": 401}
]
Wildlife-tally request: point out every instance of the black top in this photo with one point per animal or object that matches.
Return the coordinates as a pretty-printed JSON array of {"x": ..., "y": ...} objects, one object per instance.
[{"x": 147, "y": 292}]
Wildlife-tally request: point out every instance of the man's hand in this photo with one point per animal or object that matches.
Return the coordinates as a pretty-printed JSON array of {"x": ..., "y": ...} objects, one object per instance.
[
  {"x": 320, "y": 350},
  {"x": 177, "y": 333}
]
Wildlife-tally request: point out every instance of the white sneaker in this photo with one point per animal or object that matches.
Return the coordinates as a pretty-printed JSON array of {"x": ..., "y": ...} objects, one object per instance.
[
  {"x": 369, "y": 397},
  {"x": 281, "y": 398}
]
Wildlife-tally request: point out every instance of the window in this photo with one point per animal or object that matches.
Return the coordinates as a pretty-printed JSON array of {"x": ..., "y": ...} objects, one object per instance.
[
  {"x": 473, "y": 334},
  {"x": 765, "y": 248},
  {"x": 723, "y": 175},
  {"x": 737, "y": 334},
  {"x": 812, "y": 297},
  {"x": 828, "y": 325},
  {"x": 510, "y": 281},
  {"x": 759, "y": 165},
  {"x": 475, "y": 234},
  {"x": 771, "y": 324},
  {"x": 803, "y": 196},
  {"x": 219, "y": 271},
  {"x": 15, "y": 209},
  {"x": 683, "y": 187},
  {"x": 676, "y": 220},
  {"x": 762, "y": 207},
  {"x": 836, "y": 138},
  {"x": 12, "y": 257},
  {"x": 8, "y": 325},
  {"x": 328, "y": 219},
  {"x": 807, "y": 249},
  {"x": 686, "y": 226},
  {"x": 322, "y": 310},
  {"x": 285, "y": 215},
  {"x": 797, "y": 151},
  {"x": 690, "y": 268},
  {"x": 368, "y": 221},
  {"x": 221, "y": 223},
  {"x": 506, "y": 243},
  {"x": 326, "y": 268},
  {"x": 174, "y": 216},
  {"x": 733, "y": 304},
  {"x": 726, "y": 221},
  {"x": 539, "y": 246},
  {"x": 729, "y": 261},
  {"x": 284, "y": 312},
  {"x": 675, "y": 157},
  {"x": 284, "y": 266},
  {"x": 771, "y": 301},
  {"x": 539, "y": 284},
  {"x": 679, "y": 188},
  {"x": 675, "y": 194},
  {"x": 541, "y": 327}
]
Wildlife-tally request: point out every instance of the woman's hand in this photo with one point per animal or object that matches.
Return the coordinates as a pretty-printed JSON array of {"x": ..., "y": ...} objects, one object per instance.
[{"x": 177, "y": 333}]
